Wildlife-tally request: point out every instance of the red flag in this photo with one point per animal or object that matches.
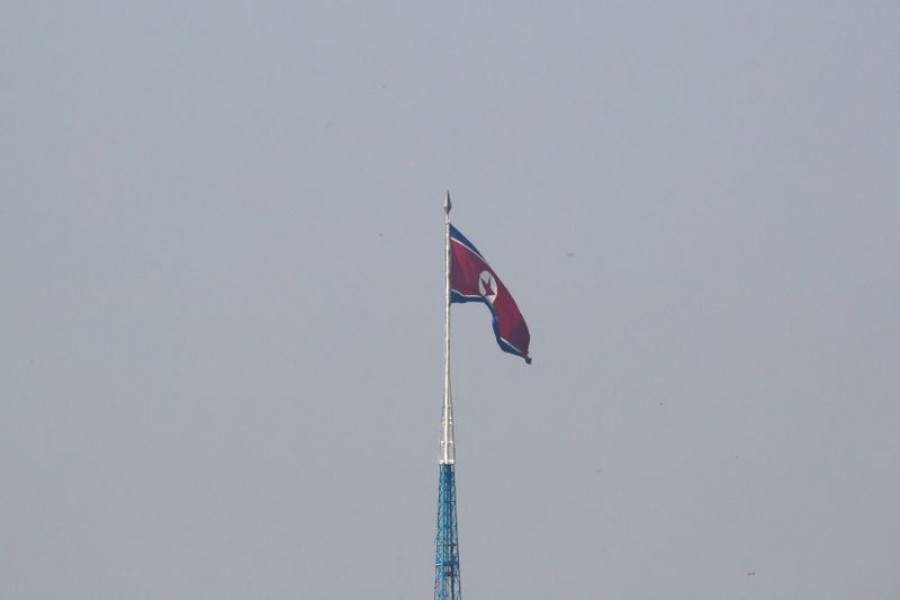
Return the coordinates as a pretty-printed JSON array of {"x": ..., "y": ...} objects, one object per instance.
[{"x": 473, "y": 280}]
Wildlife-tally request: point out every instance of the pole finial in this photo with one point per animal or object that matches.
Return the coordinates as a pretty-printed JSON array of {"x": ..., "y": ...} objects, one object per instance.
[{"x": 447, "y": 204}]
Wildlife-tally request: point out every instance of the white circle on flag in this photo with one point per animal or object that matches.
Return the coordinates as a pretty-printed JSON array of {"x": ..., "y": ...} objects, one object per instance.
[{"x": 487, "y": 286}]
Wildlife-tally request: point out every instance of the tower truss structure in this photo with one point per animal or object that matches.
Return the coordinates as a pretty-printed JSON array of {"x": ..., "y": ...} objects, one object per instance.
[{"x": 447, "y": 584}]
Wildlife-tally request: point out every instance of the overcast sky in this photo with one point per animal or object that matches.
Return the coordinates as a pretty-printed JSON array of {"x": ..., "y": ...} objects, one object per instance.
[{"x": 221, "y": 319}]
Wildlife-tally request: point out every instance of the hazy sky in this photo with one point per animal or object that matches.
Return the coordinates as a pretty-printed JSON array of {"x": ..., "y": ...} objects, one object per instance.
[{"x": 221, "y": 319}]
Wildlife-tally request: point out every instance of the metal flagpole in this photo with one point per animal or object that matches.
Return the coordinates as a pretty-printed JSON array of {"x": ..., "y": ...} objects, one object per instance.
[
  {"x": 446, "y": 566},
  {"x": 448, "y": 452}
]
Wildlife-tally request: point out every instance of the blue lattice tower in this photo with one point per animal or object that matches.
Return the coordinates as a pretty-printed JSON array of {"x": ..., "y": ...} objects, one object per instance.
[{"x": 446, "y": 565}]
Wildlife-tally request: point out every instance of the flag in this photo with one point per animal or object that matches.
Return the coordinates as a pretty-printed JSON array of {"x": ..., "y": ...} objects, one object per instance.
[{"x": 473, "y": 280}]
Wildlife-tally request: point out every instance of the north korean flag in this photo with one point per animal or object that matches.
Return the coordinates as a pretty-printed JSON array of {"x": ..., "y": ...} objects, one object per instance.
[{"x": 473, "y": 280}]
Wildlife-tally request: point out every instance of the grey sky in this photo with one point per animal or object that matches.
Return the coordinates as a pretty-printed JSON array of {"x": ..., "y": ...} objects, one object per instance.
[{"x": 220, "y": 319}]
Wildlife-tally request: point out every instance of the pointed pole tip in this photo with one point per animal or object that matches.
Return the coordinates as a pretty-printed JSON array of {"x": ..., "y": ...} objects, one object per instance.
[{"x": 447, "y": 204}]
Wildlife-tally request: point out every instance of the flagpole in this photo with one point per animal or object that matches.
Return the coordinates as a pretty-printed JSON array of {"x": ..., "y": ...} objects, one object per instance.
[
  {"x": 448, "y": 450},
  {"x": 447, "y": 584},
  {"x": 446, "y": 563}
]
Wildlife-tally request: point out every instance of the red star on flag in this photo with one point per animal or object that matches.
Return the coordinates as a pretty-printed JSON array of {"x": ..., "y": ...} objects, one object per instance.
[{"x": 486, "y": 281}]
